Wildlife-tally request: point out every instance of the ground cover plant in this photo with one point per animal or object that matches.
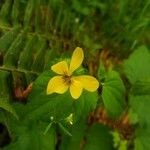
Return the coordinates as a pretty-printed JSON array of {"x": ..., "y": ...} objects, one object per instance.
[{"x": 74, "y": 75}]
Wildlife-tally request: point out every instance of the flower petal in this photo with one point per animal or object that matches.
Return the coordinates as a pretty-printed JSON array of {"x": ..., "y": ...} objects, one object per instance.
[
  {"x": 56, "y": 85},
  {"x": 89, "y": 83},
  {"x": 76, "y": 60},
  {"x": 76, "y": 88},
  {"x": 60, "y": 68}
]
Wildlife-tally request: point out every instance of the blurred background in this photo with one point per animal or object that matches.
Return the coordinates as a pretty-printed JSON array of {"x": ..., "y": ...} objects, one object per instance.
[{"x": 115, "y": 25}]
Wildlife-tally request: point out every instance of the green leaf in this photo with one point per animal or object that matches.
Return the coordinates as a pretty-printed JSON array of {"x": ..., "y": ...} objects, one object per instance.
[
  {"x": 140, "y": 106},
  {"x": 7, "y": 39},
  {"x": 29, "y": 13},
  {"x": 98, "y": 137},
  {"x": 119, "y": 143},
  {"x": 84, "y": 105},
  {"x": 141, "y": 87},
  {"x": 101, "y": 72},
  {"x": 15, "y": 12},
  {"x": 142, "y": 139},
  {"x": 38, "y": 63},
  {"x": 113, "y": 93},
  {"x": 26, "y": 57},
  {"x": 74, "y": 142},
  {"x": 12, "y": 55},
  {"x": 138, "y": 73},
  {"x": 31, "y": 137},
  {"x": 38, "y": 14},
  {"x": 137, "y": 65},
  {"x": 4, "y": 94},
  {"x": 4, "y": 103},
  {"x": 5, "y": 12}
]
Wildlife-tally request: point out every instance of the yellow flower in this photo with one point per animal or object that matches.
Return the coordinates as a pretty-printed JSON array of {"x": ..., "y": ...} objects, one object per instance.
[{"x": 65, "y": 79}]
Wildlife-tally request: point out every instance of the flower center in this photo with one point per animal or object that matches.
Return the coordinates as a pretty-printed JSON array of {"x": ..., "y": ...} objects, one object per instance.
[{"x": 67, "y": 79}]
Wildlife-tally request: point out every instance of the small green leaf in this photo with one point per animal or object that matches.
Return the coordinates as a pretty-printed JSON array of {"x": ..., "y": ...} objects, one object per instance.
[
  {"x": 119, "y": 143},
  {"x": 12, "y": 55},
  {"x": 113, "y": 93},
  {"x": 38, "y": 63},
  {"x": 26, "y": 56},
  {"x": 101, "y": 72},
  {"x": 7, "y": 39},
  {"x": 15, "y": 12},
  {"x": 5, "y": 12},
  {"x": 140, "y": 106},
  {"x": 137, "y": 65},
  {"x": 4, "y": 94},
  {"x": 29, "y": 13}
]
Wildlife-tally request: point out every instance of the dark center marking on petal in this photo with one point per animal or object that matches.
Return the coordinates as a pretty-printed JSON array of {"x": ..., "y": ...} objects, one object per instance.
[{"x": 67, "y": 79}]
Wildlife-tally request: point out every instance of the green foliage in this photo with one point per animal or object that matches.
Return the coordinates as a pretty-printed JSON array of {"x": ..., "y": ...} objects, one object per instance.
[
  {"x": 76, "y": 140},
  {"x": 7, "y": 39},
  {"x": 118, "y": 142},
  {"x": 35, "y": 34},
  {"x": 136, "y": 67},
  {"x": 139, "y": 76},
  {"x": 113, "y": 91},
  {"x": 4, "y": 94},
  {"x": 142, "y": 139},
  {"x": 12, "y": 55},
  {"x": 138, "y": 73},
  {"x": 98, "y": 137},
  {"x": 32, "y": 137}
]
